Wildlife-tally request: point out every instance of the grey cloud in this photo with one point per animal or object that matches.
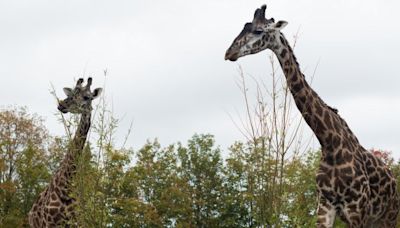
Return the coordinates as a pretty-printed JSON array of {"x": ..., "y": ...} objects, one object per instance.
[{"x": 166, "y": 67}]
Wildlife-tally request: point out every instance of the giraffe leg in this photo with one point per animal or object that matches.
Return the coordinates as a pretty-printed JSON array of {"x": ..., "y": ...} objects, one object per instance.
[
  {"x": 387, "y": 224},
  {"x": 356, "y": 214},
  {"x": 389, "y": 220},
  {"x": 356, "y": 221},
  {"x": 326, "y": 214}
]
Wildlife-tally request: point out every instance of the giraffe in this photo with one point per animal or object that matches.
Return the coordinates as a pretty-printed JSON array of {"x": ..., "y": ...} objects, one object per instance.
[
  {"x": 352, "y": 183},
  {"x": 54, "y": 206}
]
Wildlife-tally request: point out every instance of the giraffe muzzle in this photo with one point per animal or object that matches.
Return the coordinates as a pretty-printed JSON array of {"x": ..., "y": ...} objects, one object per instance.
[
  {"x": 231, "y": 56},
  {"x": 62, "y": 109}
]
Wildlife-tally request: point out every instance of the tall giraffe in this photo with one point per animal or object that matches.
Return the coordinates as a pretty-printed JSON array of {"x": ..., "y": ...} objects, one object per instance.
[
  {"x": 54, "y": 207},
  {"x": 352, "y": 183}
]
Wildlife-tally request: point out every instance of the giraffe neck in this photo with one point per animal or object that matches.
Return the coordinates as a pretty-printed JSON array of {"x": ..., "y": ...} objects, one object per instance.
[
  {"x": 68, "y": 166},
  {"x": 322, "y": 119},
  {"x": 81, "y": 133}
]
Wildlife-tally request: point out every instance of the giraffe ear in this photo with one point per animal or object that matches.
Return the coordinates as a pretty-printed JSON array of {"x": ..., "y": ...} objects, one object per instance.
[
  {"x": 67, "y": 91},
  {"x": 97, "y": 92},
  {"x": 279, "y": 25}
]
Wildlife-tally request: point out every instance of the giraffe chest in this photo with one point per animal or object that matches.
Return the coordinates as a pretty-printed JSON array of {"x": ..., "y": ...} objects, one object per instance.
[
  {"x": 365, "y": 184},
  {"x": 342, "y": 183}
]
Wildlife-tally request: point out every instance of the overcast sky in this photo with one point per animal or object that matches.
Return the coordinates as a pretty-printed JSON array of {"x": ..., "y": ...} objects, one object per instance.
[{"x": 166, "y": 68}]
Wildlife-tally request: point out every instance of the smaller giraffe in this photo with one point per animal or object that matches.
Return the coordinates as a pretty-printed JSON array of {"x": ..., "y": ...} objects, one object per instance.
[{"x": 54, "y": 206}]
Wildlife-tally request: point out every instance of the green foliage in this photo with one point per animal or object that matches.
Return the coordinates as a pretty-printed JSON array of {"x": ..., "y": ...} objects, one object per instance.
[
  {"x": 181, "y": 185},
  {"x": 236, "y": 198},
  {"x": 23, "y": 164},
  {"x": 201, "y": 169},
  {"x": 300, "y": 192}
]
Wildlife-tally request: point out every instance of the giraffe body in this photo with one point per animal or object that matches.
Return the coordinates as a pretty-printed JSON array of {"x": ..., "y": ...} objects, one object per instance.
[
  {"x": 352, "y": 183},
  {"x": 54, "y": 206}
]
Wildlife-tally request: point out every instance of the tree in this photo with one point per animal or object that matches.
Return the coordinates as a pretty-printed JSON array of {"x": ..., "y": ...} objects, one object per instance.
[
  {"x": 236, "y": 209},
  {"x": 23, "y": 163},
  {"x": 161, "y": 193},
  {"x": 300, "y": 190},
  {"x": 201, "y": 168}
]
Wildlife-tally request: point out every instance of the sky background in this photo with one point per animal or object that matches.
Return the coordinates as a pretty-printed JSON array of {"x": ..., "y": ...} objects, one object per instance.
[{"x": 166, "y": 68}]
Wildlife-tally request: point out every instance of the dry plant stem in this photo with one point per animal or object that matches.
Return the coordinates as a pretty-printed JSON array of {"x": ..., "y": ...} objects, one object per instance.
[
  {"x": 100, "y": 126},
  {"x": 249, "y": 116},
  {"x": 278, "y": 133},
  {"x": 127, "y": 134},
  {"x": 63, "y": 120}
]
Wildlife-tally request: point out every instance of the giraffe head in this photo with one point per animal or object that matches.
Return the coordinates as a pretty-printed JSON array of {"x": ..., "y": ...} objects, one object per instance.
[
  {"x": 256, "y": 36},
  {"x": 79, "y": 99}
]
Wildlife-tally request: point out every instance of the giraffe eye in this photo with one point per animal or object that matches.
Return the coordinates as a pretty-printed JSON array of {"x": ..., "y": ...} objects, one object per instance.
[
  {"x": 86, "y": 98},
  {"x": 258, "y": 32}
]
